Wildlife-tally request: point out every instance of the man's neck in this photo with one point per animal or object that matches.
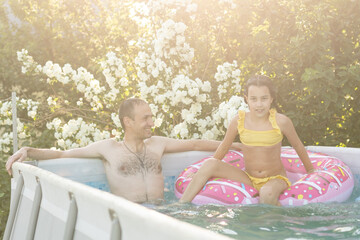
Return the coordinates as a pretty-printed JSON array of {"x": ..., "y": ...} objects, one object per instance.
[{"x": 135, "y": 144}]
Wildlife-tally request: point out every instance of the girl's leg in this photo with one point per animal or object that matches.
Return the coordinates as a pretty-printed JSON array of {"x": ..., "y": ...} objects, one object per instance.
[
  {"x": 213, "y": 168},
  {"x": 270, "y": 192}
]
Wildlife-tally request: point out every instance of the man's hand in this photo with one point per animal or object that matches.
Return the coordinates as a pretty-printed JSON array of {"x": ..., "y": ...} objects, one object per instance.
[{"x": 19, "y": 156}]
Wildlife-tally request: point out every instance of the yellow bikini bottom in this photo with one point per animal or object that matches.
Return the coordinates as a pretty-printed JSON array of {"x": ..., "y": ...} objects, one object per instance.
[{"x": 259, "y": 182}]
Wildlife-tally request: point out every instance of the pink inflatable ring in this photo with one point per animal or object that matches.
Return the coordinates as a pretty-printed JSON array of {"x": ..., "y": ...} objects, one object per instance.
[{"x": 332, "y": 182}]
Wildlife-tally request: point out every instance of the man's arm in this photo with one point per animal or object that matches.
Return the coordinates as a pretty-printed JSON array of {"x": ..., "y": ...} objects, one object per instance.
[
  {"x": 177, "y": 145},
  {"x": 91, "y": 151}
]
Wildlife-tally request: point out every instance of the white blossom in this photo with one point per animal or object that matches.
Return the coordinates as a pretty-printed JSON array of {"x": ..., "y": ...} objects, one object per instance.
[{"x": 161, "y": 73}]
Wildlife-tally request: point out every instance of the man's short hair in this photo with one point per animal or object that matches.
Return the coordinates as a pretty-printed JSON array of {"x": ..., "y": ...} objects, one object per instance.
[{"x": 127, "y": 109}]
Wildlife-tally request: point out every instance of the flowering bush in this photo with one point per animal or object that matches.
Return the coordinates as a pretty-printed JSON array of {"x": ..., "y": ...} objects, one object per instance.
[
  {"x": 161, "y": 72},
  {"x": 75, "y": 133},
  {"x": 177, "y": 101},
  {"x": 23, "y": 128},
  {"x": 187, "y": 59}
]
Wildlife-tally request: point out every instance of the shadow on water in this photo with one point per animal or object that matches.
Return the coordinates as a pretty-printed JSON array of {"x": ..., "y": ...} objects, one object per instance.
[{"x": 312, "y": 221}]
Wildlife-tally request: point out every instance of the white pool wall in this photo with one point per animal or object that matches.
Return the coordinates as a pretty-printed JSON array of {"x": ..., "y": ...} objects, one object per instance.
[
  {"x": 53, "y": 206},
  {"x": 99, "y": 214}
]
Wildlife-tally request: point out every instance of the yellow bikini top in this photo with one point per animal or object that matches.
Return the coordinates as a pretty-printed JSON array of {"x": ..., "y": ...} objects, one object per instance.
[{"x": 259, "y": 138}]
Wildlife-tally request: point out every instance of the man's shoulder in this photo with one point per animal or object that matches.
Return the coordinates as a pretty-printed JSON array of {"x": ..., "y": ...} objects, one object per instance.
[
  {"x": 157, "y": 139},
  {"x": 159, "y": 144},
  {"x": 106, "y": 147},
  {"x": 106, "y": 142}
]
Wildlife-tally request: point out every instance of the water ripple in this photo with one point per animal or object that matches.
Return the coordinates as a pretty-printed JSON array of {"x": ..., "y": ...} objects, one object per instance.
[{"x": 312, "y": 221}]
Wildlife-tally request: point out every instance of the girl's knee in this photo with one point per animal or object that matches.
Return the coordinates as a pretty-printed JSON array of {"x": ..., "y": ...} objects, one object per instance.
[
  {"x": 209, "y": 165},
  {"x": 267, "y": 192},
  {"x": 268, "y": 196}
]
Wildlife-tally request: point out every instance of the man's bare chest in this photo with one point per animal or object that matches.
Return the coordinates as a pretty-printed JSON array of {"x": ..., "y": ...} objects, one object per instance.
[
  {"x": 133, "y": 165},
  {"x": 128, "y": 164}
]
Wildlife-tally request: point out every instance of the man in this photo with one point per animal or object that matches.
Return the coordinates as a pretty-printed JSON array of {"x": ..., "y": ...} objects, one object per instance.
[{"x": 133, "y": 166}]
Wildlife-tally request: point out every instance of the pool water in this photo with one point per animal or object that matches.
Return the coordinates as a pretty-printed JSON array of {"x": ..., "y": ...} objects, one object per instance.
[
  {"x": 312, "y": 221},
  {"x": 246, "y": 222}
]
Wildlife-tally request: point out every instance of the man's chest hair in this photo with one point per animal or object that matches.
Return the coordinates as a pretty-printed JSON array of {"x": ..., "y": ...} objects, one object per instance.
[{"x": 132, "y": 165}]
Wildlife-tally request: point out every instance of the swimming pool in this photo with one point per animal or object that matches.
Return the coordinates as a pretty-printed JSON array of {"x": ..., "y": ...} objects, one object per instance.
[
  {"x": 98, "y": 213},
  {"x": 312, "y": 221}
]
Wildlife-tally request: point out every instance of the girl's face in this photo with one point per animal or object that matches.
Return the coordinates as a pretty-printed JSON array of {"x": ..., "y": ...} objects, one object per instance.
[{"x": 259, "y": 100}]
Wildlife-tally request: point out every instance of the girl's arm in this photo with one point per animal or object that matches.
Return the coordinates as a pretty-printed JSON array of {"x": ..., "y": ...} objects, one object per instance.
[
  {"x": 228, "y": 139},
  {"x": 289, "y": 131}
]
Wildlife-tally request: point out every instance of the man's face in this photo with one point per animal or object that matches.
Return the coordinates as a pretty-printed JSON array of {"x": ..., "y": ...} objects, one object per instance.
[{"x": 142, "y": 122}]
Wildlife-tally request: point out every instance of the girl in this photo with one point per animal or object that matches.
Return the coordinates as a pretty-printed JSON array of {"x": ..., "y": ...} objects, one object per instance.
[{"x": 261, "y": 132}]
